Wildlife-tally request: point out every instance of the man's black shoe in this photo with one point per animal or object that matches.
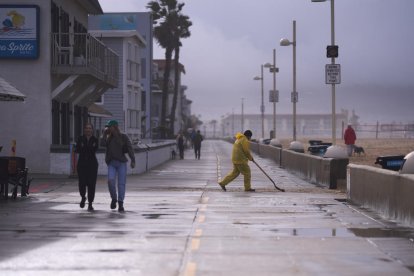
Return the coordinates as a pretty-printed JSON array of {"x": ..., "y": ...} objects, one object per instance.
[
  {"x": 223, "y": 187},
  {"x": 90, "y": 207},
  {"x": 250, "y": 190},
  {"x": 82, "y": 203},
  {"x": 113, "y": 204}
]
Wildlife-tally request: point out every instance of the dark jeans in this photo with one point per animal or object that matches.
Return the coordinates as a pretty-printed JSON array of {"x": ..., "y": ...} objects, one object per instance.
[
  {"x": 197, "y": 150},
  {"x": 181, "y": 150},
  {"x": 87, "y": 178}
]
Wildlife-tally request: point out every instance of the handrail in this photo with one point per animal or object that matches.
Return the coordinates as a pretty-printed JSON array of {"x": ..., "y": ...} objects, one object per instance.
[{"x": 84, "y": 51}]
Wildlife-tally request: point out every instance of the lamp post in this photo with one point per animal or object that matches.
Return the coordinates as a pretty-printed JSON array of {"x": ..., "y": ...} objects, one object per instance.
[
  {"x": 242, "y": 114},
  {"x": 262, "y": 107},
  {"x": 274, "y": 96},
  {"x": 286, "y": 42},
  {"x": 232, "y": 122},
  {"x": 332, "y": 62}
]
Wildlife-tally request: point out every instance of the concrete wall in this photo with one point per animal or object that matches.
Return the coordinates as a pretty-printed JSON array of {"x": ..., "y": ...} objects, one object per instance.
[
  {"x": 147, "y": 157},
  {"x": 388, "y": 193},
  {"x": 324, "y": 171}
]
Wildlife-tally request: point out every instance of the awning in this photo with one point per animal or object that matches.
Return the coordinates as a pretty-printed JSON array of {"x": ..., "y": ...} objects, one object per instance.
[
  {"x": 96, "y": 110},
  {"x": 9, "y": 93}
]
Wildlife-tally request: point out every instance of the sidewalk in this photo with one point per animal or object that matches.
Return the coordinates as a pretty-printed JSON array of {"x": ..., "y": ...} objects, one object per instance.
[{"x": 178, "y": 221}]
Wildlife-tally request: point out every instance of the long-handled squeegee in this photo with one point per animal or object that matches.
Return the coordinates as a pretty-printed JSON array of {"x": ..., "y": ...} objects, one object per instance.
[{"x": 280, "y": 189}]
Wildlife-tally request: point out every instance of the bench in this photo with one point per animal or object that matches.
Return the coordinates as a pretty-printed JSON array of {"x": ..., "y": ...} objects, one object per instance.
[{"x": 13, "y": 172}]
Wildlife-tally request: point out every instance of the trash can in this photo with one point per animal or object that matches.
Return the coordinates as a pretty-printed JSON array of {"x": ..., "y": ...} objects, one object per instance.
[
  {"x": 314, "y": 142},
  {"x": 318, "y": 149},
  {"x": 390, "y": 162}
]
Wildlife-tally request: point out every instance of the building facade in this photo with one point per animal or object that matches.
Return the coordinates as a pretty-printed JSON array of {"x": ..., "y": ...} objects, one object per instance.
[
  {"x": 183, "y": 105},
  {"x": 125, "y": 101},
  {"x": 51, "y": 58},
  {"x": 141, "y": 22}
]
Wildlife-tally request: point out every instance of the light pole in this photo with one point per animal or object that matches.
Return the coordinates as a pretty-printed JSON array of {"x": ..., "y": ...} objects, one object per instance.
[
  {"x": 232, "y": 122},
  {"x": 262, "y": 107},
  {"x": 274, "y": 95},
  {"x": 332, "y": 62},
  {"x": 294, "y": 97},
  {"x": 242, "y": 114}
]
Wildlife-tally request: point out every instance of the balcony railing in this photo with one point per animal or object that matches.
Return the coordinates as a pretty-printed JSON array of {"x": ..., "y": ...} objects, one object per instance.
[{"x": 81, "y": 53}]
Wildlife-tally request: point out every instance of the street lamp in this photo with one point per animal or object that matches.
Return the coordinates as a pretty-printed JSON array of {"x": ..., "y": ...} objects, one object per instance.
[
  {"x": 232, "y": 122},
  {"x": 242, "y": 115},
  {"x": 262, "y": 107},
  {"x": 273, "y": 96},
  {"x": 294, "y": 97},
  {"x": 332, "y": 62}
]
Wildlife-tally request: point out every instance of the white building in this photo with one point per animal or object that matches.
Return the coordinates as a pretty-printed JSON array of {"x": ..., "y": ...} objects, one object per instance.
[
  {"x": 48, "y": 55},
  {"x": 307, "y": 125},
  {"x": 125, "y": 101},
  {"x": 142, "y": 24}
]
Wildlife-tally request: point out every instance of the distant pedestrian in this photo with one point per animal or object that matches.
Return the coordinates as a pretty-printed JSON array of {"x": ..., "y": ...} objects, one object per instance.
[
  {"x": 180, "y": 144},
  {"x": 198, "y": 138},
  {"x": 240, "y": 157},
  {"x": 117, "y": 144},
  {"x": 192, "y": 135},
  {"x": 349, "y": 137},
  {"x": 86, "y": 147}
]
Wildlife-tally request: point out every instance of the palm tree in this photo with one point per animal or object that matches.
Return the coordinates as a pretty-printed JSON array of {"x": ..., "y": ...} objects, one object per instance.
[
  {"x": 165, "y": 15},
  {"x": 183, "y": 31}
]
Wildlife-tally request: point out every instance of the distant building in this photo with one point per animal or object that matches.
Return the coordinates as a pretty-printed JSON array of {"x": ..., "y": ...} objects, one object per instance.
[
  {"x": 141, "y": 22},
  {"x": 307, "y": 125},
  {"x": 183, "y": 104},
  {"x": 125, "y": 101}
]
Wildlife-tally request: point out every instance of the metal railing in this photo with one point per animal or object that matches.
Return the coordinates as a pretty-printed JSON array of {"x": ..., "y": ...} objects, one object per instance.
[{"x": 81, "y": 53}]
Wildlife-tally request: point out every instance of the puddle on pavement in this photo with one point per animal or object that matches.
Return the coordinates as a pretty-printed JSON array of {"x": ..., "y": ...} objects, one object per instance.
[
  {"x": 383, "y": 232},
  {"x": 154, "y": 216},
  {"x": 112, "y": 250},
  {"x": 411, "y": 268},
  {"x": 346, "y": 232},
  {"x": 163, "y": 233},
  {"x": 341, "y": 199},
  {"x": 314, "y": 232}
]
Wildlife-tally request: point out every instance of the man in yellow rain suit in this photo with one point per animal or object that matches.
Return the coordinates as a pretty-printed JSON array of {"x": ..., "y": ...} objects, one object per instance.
[{"x": 240, "y": 157}]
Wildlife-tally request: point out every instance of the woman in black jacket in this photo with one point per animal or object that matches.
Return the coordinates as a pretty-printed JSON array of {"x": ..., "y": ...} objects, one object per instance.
[{"x": 86, "y": 147}]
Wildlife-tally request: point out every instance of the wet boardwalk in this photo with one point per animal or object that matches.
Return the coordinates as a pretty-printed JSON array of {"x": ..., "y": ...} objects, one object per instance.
[{"x": 179, "y": 222}]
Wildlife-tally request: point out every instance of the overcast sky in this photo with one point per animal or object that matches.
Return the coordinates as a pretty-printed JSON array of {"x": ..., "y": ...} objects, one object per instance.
[{"x": 232, "y": 38}]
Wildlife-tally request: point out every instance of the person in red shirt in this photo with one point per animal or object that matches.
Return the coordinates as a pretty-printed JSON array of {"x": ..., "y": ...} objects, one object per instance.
[{"x": 349, "y": 137}]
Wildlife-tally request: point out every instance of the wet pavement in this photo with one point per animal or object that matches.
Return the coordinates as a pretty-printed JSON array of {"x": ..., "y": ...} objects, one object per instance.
[{"x": 178, "y": 221}]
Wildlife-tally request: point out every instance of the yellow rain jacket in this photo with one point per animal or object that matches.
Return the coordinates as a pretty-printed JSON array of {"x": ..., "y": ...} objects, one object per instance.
[{"x": 241, "y": 150}]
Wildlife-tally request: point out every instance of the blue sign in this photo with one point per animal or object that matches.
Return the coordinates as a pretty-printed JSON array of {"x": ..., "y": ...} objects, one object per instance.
[
  {"x": 19, "y": 31},
  {"x": 118, "y": 21}
]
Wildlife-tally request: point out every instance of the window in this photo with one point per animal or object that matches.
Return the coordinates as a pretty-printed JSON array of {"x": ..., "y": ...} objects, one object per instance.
[
  {"x": 136, "y": 58},
  {"x": 143, "y": 67},
  {"x": 129, "y": 51},
  {"x": 99, "y": 100},
  {"x": 143, "y": 100},
  {"x": 60, "y": 123}
]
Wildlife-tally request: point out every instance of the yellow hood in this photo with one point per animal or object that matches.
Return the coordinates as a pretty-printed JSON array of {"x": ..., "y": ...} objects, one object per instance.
[
  {"x": 239, "y": 135},
  {"x": 241, "y": 150}
]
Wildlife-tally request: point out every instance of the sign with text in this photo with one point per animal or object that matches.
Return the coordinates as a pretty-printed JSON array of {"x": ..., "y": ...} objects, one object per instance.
[
  {"x": 333, "y": 73},
  {"x": 273, "y": 96},
  {"x": 19, "y": 31}
]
